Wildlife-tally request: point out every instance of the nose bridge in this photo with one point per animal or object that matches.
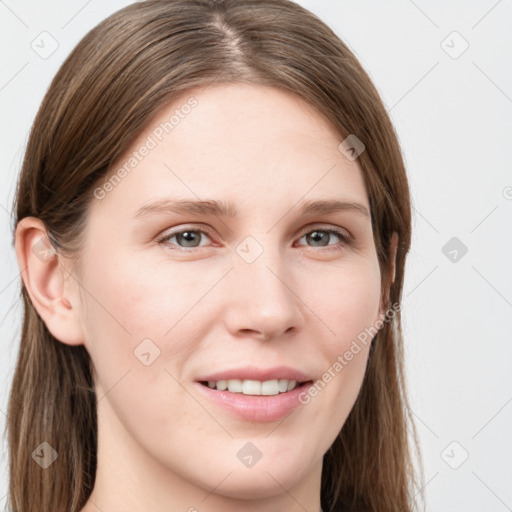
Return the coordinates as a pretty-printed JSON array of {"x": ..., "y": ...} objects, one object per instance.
[{"x": 263, "y": 299}]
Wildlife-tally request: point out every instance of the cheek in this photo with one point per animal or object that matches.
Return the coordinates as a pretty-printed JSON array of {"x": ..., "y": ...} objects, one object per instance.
[
  {"x": 141, "y": 313},
  {"x": 344, "y": 301},
  {"x": 131, "y": 300},
  {"x": 348, "y": 306}
]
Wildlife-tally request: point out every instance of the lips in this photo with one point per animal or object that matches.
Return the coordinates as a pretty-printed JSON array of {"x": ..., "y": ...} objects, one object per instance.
[
  {"x": 254, "y": 408},
  {"x": 253, "y": 387},
  {"x": 255, "y": 394},
  {"x": 258, "y": 374}
]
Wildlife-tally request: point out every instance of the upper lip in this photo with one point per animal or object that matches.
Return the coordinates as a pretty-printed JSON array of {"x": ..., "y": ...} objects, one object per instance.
[{"x": 256, "y": 373}]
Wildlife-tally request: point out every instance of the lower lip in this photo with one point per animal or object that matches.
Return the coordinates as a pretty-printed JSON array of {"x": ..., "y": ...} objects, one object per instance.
[{"x": 256, "y": 408}]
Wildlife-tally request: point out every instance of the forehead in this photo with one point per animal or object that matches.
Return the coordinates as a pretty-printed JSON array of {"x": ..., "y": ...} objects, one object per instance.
[{"x": 244, "y": 142}]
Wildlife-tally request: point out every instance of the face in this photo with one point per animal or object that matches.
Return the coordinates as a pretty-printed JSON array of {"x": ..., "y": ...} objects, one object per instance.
[{"x": 183, "y": 298}]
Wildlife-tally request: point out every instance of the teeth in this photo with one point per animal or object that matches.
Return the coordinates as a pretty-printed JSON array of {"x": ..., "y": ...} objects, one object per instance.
[
  {"x": 270, "y": 387},
  {"x": 222, "y": 385},
  {"x": 254, "y": 387},
  {"x": 251, "y": 387},
  {"x": 235, "y": 386},
  {"x": 283, "y": 385}
]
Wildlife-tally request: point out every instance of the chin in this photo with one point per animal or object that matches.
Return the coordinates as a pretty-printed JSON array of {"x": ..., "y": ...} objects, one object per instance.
[
  {"x": 263, "y": 480},
  {"x": 246, "y": 485}
]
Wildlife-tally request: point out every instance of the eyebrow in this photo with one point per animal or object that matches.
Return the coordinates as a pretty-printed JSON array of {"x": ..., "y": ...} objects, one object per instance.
[{"x": 228, "y": 209}]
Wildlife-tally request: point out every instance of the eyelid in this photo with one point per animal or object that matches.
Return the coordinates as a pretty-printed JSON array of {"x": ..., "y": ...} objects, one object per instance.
[
  {"x": 185, "y": 227},
  {"x": 315, "y": 226}
]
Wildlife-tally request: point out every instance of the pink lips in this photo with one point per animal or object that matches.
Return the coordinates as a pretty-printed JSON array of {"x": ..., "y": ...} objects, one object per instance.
[
  {"x": 256, "y": 408},
  {"x": 255, "y": 373}
]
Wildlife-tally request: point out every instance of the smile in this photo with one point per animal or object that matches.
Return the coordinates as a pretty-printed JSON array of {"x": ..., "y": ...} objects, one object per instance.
[{"x": 253, "y": 387}]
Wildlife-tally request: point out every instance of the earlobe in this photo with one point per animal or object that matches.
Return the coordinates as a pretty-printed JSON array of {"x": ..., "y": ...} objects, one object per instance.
[{"x": 44, "y": 279}]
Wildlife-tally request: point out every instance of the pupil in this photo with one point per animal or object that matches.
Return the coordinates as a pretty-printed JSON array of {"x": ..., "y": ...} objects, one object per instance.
[
  {"x": 188, "y": 236},
  {"x": 316, "y": 234}
]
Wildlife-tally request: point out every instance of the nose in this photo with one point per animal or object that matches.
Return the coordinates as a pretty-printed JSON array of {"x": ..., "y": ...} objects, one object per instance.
[{"x": 263, "y": 299}]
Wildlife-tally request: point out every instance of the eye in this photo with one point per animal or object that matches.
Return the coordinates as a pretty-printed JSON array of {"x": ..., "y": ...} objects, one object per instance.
[
  {"x": 188, "y": 237},
  {"x": 320, "y": 238}
]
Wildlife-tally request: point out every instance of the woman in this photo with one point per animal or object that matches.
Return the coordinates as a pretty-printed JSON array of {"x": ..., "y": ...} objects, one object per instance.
[{"x": 212, "y": 221}]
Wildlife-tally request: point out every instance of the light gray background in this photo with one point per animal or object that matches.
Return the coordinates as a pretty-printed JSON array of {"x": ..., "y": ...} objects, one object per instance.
[{"x": 453, "y": 115}]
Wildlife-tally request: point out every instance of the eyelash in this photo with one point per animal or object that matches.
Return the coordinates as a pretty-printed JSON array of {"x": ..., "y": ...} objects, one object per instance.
[{"x": 346, "y": 239}]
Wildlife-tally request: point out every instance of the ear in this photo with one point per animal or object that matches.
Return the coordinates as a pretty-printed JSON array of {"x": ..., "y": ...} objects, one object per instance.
[
  {"x": 44, "y": 277},
  {"x": 392, "y": 271}
]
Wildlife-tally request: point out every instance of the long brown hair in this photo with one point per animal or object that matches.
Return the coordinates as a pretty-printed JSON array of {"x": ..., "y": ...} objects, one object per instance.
[{"x": 105, "y": 93}]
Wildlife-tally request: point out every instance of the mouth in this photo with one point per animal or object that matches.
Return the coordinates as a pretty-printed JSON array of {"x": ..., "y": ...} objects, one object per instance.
[
  {"x": 255, "y": 387},
  {"x": 255, "y": 394}
]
